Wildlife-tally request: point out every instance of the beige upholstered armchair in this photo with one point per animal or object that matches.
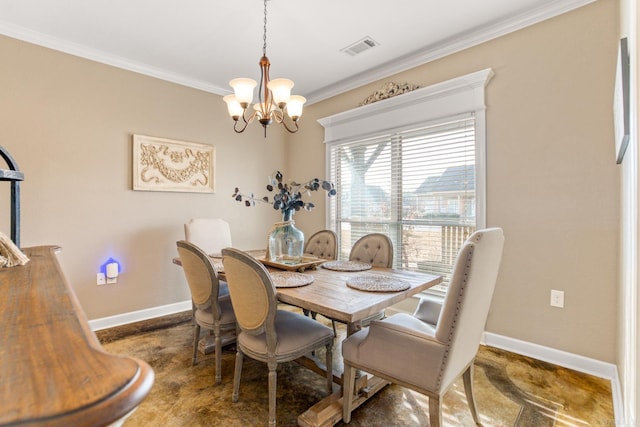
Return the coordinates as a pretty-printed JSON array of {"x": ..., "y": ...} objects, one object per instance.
[
  {"x": 266, "y": 333},
  {"x": 322, "y": 244},
  {"x": 428, "y": 357},
  {"x": 210, "y": 310}
]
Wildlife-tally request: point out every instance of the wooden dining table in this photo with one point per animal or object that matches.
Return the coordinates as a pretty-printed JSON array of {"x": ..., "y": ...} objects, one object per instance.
[{"x": 328, "y": 294}]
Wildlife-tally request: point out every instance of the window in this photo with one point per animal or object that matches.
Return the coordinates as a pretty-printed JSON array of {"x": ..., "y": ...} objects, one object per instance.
[{"x": 421, "y": 183}]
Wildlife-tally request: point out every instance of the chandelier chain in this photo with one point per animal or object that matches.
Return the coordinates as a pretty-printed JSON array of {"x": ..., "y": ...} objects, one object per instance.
[{"x": 264, "y": 36}]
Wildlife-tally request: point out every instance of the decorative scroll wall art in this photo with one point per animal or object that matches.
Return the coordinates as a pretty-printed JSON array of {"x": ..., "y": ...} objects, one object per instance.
[
  {"x": 161, "y": 164},
  {"x": 389, "y": 90}
]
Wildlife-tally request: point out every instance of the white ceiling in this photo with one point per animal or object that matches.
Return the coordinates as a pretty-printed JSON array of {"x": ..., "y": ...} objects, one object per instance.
[{"x": 204, "y": 44}]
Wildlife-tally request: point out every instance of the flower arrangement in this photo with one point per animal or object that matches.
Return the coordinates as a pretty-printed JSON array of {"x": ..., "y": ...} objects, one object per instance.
[{"x": 288, "y": 197}]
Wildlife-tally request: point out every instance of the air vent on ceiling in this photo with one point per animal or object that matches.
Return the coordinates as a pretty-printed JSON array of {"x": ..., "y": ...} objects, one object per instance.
[{"x": 360, "y": 46}]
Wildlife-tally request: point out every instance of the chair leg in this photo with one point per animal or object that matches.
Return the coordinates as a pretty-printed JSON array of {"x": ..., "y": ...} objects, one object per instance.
[
  {"x": 196, "y": 337},
  {"x": 435, "y": 412},
  {"x": 236, "y": 376},
  {"x": 333, "y": 324},
  {"x": 218, "y": 357},
  {"x": 348, "y": 380},
  {"x": 273, "y": 380},
  {"x": 467, "y": 379}
]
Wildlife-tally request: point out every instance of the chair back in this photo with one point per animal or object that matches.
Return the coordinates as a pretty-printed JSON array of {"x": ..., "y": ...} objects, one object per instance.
[
  {"x": 468, "y": 299},
  {"x": 322, "y": 244},
  {"x": 252, "y": 292},
  {"x": 209, "y": 234},
  {"x": 375, "y": 249},
  {"x": 201, "y": 275}
]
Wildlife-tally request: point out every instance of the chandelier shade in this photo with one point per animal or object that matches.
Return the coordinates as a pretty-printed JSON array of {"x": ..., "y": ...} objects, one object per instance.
[{"x": 275, "y": 102}]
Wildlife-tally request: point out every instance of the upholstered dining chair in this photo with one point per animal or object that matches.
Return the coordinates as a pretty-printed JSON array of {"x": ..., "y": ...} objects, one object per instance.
[
  {"x": 375, "y": 249},
  {"x": 322, "y": 244},
  {"x": 210, "y": 311},
  {"x": 428, "y": 358},
  {"x": 209, "y": 234},
  {"x": 267, "y": 334}
]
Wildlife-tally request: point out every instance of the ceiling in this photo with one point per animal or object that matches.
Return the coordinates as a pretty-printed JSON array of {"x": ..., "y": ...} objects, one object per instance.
[{"x": 204, "y": 44}]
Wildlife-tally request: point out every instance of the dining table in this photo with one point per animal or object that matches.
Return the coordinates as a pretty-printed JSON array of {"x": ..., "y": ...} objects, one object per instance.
[{"x": 344, "y": 291}]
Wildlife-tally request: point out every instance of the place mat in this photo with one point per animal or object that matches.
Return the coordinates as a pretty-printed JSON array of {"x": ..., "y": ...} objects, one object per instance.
[
  {"x": 377, "y": 283},
  {"x": 290, "y": 279},
  {"x": 346, "y": 266}
]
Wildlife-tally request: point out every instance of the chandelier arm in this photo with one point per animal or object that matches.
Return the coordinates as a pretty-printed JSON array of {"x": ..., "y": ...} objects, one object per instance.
[
  {"x": 245, "y": 120},
  {"x": 284, "y": 123},
  {"x": 278, "y": 116},
  {"x": 235, "y": 126}
]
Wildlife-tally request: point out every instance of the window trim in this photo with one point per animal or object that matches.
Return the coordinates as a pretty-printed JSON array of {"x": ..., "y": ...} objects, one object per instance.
[{"x": 459, "y": 95}]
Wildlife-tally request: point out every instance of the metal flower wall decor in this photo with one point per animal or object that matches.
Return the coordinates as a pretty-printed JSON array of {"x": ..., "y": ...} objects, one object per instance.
[{"x": 288, "y": 197}]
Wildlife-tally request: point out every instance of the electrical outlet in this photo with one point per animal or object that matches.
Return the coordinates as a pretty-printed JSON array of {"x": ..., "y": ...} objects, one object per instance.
[
  {"x": 557, "y": 298},
  {"x": 101, "y": 279}
]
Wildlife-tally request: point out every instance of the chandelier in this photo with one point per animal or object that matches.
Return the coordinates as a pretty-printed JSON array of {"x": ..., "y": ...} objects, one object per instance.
[{"x": 275, "y": 99}]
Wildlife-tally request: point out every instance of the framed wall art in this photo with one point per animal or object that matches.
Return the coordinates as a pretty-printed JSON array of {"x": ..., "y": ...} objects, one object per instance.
[
  {"x": 621, "y": 101},
  {"x": 161, "y": 164}
]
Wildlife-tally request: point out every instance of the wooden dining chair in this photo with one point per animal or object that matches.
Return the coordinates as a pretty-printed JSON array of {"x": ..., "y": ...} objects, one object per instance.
[
  {"x": 267, "y": 334},
  {"x": 427, "y": 357},
  {"x": 210, "y": 310}
]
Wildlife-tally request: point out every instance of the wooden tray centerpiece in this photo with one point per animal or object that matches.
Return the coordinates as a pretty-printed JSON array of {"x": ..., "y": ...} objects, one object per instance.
[{"x": 308, "y": 262}]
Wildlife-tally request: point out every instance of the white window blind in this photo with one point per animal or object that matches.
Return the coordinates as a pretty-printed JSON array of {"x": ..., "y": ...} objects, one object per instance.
[{"x": 417, "y": 186}]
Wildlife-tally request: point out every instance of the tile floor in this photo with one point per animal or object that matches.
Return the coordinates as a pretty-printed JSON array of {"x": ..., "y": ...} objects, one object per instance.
[{"x": 511, "y": 390}]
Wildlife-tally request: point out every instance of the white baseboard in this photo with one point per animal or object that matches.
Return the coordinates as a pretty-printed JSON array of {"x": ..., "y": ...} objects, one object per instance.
[
  {"x": 576, "y": 362},
  {"x": 136, "y": 316}
]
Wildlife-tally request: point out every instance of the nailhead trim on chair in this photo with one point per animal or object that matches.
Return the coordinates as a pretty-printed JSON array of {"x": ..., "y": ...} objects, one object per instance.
[{"x": 467, "y": 267}]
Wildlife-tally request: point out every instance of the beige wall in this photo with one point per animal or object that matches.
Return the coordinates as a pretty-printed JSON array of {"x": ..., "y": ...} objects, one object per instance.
[
  {"x": 68, "y": 123},
  {"x": 552, "y": 182}
]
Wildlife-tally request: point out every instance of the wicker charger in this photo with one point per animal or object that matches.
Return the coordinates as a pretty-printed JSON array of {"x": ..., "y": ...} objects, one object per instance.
[
  {"x": 290, "y": 279},
  {"x": 346, "y": 266},
  {"x": 377, "y": 283}
]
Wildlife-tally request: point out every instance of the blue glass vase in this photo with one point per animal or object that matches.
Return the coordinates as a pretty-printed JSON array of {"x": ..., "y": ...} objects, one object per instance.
[{"x": 286, "y": 242}]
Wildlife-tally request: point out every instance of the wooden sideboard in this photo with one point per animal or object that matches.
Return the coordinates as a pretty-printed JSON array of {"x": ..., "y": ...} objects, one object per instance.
[{"x": 53, "y": 370}]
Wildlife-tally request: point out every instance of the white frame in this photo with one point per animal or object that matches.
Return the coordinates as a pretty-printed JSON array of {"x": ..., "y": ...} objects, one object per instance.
[
  {"x": 621, "y": 101},
  {"x": 460, "y": 95},
  {"x": 161, "y": 164}
]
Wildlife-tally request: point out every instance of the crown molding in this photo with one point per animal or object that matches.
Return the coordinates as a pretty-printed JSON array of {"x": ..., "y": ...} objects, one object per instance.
[
  {"x": 423, "y": 56},
  {"x": 448, "y": 47},
  {"x": 40, "y": 39}
]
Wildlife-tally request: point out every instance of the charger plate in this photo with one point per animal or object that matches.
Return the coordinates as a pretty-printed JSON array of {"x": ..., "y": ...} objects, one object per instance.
[
  {"x": 346, "y": 266},
  {"x": 290, "y": 279},
  {"x": 372, "y": 282}
]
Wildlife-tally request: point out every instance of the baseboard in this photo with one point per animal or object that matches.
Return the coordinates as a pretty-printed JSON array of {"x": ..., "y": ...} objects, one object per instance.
[
  {"x": 136, "y": 316},
  {"x": 576, "y": 362}
]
